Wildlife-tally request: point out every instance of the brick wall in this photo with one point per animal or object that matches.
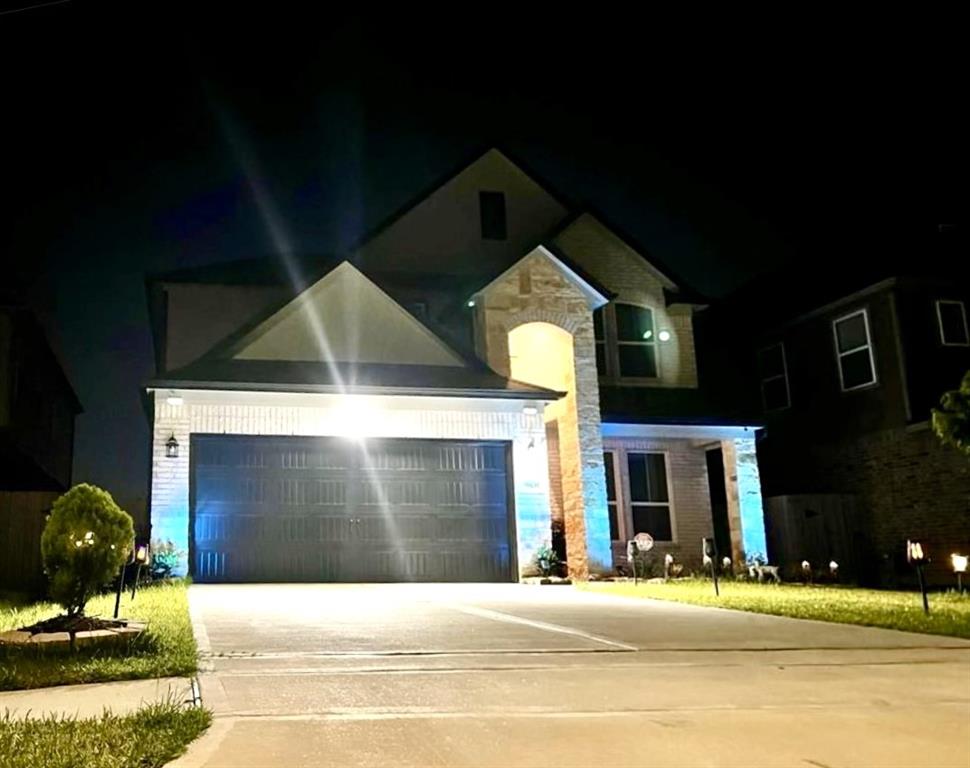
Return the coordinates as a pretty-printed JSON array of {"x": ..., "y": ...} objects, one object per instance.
[
  {"x": 689, "y": 494},
  {"x": 909, "y": 486},
  {"x": 264, "y": 414},
  {"x": 623, "y": 271}
]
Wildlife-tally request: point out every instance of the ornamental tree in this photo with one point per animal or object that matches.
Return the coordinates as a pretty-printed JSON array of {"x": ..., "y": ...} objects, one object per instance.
[
  {"x": 951, "y": 421},
  {"x": 85, "y": 542}
]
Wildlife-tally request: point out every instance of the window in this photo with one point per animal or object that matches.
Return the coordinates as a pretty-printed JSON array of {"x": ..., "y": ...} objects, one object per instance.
[
  {"x": 611, "y": 500},
  {"x": 599, "y": 331},
  {"x": 952, "y": 317},
  {"x": 853, "y": 348},
  {"x": 774, "y": 377},
  {"x": 626, "y": 341},
  {"x": 649, "y": 497},
  {"x": 491, "y": 207},
  {"x": 636, "y": 345}
]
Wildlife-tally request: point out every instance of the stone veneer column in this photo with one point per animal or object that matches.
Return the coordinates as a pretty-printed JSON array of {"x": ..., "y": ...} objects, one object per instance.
[
  {"x": 547, "y": 297},
  {"x": 742, "y": 482}
]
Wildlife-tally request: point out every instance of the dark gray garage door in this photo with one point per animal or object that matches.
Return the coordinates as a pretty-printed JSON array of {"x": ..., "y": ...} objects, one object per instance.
[{"x": 329, "y": 509}]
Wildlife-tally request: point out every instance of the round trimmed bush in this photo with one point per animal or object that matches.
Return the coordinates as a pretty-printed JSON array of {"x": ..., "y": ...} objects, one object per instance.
[{"x": 86, "y": 540}]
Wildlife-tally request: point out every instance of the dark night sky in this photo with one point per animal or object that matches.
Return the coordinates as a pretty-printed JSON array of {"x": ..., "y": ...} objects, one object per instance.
[{"x": 131, "y": 138}]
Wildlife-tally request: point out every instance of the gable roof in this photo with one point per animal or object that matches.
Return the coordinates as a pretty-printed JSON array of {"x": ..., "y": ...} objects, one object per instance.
[
  {"x": 595, "y": 293},
  {"x": 373, "y": 328}
]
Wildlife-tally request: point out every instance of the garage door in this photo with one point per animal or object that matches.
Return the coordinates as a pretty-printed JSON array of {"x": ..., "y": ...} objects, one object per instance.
[{"x": 329, "y": 509}]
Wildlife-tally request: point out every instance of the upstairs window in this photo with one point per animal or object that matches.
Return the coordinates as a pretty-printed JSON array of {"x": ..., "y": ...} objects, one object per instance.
[
  {"x": 853, "y": 349},
  {"x": 649, "y": 495},
  {"x": 636, "y": 342},
  {"x": 952, "y": 318},
  {"x": 491, "y": 208},
  {"x": 774, "y": 377}
]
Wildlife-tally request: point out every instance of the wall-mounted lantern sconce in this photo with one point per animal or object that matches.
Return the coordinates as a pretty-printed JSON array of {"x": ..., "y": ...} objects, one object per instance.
[
  {"x": 664, "y": 335},
  {"x": 172, "y": 448},
  {"x": 915, "y": 556}
]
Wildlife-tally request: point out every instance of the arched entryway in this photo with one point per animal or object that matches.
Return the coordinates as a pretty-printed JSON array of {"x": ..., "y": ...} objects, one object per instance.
[{"x": 541, "y": 353}]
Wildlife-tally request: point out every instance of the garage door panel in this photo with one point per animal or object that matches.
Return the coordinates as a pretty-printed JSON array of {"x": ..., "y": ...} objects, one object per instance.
[{"x": 325, "y": 509}]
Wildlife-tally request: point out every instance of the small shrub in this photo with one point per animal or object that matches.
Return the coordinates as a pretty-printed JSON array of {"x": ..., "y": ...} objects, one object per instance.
[
  {"x": 165, "y": 558},
  {"x": 86, "y": 540},
  {"x": 546, "y": 561}
]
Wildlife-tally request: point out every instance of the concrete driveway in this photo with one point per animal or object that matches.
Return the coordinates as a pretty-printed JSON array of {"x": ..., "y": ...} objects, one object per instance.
[{"x": 508, "y": 675}]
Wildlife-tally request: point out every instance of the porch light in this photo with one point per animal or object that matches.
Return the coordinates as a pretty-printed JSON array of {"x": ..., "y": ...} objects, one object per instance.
[
  {"x": 471, "y": 303},
  {"x": 664, "y": 335},
  {"x": 172, "y": 448},
  {"x": 530, "y": 410}
]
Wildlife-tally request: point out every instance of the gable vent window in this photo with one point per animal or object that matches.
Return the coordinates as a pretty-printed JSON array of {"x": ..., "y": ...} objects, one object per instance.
[
  {"x": 952, "y": 318},
  {"x": 853, "y": 348},
  {"x": 774, "y": 377},
  {"x": 491, "y": 207}
]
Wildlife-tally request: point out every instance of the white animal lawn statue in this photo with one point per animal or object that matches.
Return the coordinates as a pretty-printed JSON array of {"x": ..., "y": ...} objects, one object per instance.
[{"x": 764, "y": 573}]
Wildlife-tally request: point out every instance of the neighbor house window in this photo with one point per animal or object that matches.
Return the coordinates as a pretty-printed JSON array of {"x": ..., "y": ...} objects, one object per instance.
[
  {"x": 952, "y": 317},
  {"x": 853, "y": 348},
  {"x": 491, "y": 207},
  {"x": 649, "y": 496},
  {"x": 611, "y": 500},
  {"x": 774, "y": 377}
]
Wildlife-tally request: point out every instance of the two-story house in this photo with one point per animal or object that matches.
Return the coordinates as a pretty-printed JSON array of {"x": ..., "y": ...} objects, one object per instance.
[
  {"x": 491, "y": 364},
  {"x": 37, "y": 411},
  {"x": 847, "y": 369}
]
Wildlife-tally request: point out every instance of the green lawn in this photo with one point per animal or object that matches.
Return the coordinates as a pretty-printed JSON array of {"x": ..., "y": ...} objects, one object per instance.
[
  {"x": 146, "y": 739},
  {"x": 949, "y": 613},
  {"x": 165, "y": 648}
]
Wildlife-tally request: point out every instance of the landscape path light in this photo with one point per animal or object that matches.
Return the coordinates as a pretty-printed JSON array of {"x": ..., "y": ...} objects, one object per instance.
[
  {"x": 914, "y": 555},
  {"x": 834, "y": 569},
  {"x": 807, "y": 571},
  {"x": 959, "y": 568}
]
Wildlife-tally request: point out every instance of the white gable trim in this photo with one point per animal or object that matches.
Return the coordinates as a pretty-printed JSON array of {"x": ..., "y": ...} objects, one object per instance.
[
  {"x": 594, "y": 297},
  {"x": 403, "y": 328}
]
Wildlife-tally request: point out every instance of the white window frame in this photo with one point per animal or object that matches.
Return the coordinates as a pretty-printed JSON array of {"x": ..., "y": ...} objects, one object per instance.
[
  {"x": 782, "y": 375},
  {"x": 621, "y": 523},
  {"x": 611, "y": 346},
  {"x": 628, "y": 507},
  {"x": 939, "y": 323},
  {"x": 868, "y": 346}
]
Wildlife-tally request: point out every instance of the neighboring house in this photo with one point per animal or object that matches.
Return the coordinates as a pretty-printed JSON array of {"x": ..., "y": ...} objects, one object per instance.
[
  {"x": 490, "y": 367},
  {"x": 847, "y": 370},
  {"x": 37, "y": 410}
]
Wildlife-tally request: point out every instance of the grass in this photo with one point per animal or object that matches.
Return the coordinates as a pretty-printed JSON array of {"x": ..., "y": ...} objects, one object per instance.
[
  {"x": 166, "y": 647},
  {"x": 949, "y": 612},
  {"x": 146, "y": 739}
]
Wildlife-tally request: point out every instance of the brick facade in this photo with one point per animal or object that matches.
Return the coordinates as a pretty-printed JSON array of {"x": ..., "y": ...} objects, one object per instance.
[
  {"x": 622, "y": 270},
  {"x": 690, "y": 499},
  {"x": 908, "y": 486},
  {"x": 263, "y": 414}
]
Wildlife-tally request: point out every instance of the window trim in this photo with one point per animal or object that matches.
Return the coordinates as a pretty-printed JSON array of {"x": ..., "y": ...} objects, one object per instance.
[
  {"x": 621, "y": 524},
  {"x": 782, "y": 375},
  {"x": 864, "y": 311},
  {"x": 628, "y": 507},
  {"x": 939, "y": 323},
  {"x": 611, "y": 346}
]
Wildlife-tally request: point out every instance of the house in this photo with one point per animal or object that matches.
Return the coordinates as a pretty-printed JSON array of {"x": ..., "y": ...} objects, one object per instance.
[
  {"x": 847, "y": 369},
  {"x": 491, "y": 367},
  {"x": 37, "y": 411}
]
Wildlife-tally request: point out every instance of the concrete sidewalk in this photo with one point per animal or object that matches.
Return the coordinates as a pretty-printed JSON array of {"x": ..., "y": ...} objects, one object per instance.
[{"x": 85, "y": 701}]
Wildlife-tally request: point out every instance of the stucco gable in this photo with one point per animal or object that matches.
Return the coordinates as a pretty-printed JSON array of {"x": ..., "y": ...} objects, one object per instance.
[
  {"x": 344, "y": 318},
  {"x": 441, "y": 231}
]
